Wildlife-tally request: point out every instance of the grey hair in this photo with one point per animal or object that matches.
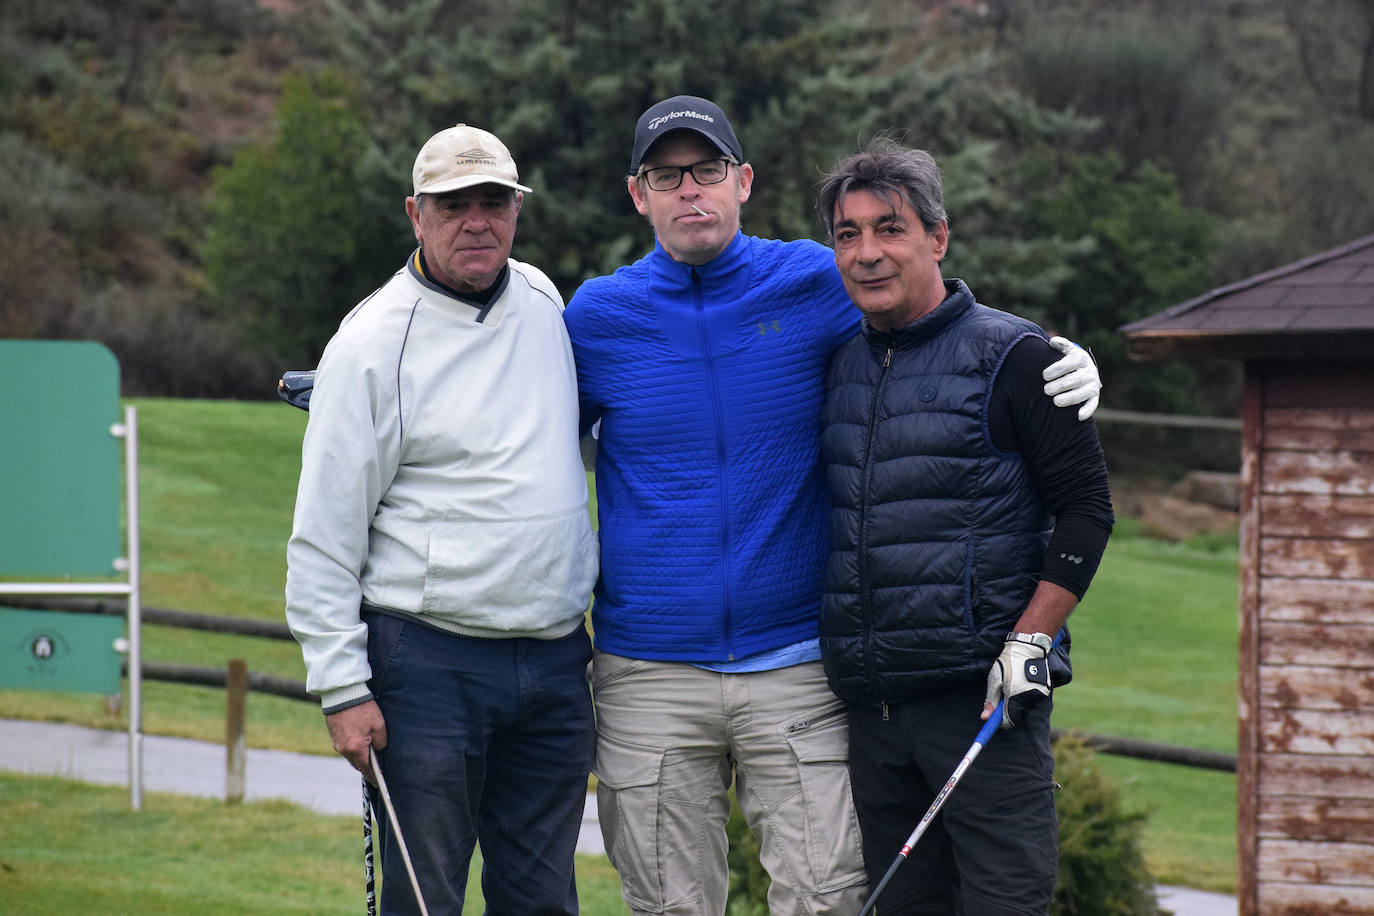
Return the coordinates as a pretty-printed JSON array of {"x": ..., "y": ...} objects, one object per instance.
[{"x": 891, "y": 171}]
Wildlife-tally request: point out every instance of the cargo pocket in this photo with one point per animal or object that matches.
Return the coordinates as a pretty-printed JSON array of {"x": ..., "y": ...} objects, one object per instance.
[
  {"x": 627, "y": 796},
  {"x": 834, "y": 848}
]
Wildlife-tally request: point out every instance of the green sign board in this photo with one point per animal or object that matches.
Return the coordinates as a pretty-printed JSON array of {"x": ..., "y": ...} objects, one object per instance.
[
  {"x": 55, "y": 650},
  {"x": 59, "y": 463}
]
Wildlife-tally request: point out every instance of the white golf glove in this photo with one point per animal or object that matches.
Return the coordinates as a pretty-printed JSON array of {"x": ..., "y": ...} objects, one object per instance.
[
  {"x": 1073, "y": 379},
  {"x": 1021, "y": 675}
]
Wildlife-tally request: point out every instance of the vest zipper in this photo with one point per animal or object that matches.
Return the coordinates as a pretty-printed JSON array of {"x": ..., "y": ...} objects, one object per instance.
[
  {"x": 718, "y": 415},
  {"x": 862, "y": 559}
]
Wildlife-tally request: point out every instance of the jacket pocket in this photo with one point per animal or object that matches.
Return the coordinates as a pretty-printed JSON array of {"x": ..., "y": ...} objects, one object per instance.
[
  {"x": 523, "y": 574},
  {"x": 971, "y": 586}
]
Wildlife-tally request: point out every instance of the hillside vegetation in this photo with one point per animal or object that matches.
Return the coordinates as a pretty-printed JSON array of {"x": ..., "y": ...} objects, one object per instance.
[{"x": 208, "y": 185}]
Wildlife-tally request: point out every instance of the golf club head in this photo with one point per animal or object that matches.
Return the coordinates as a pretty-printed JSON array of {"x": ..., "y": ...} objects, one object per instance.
[{"x": 295, "y": 387}]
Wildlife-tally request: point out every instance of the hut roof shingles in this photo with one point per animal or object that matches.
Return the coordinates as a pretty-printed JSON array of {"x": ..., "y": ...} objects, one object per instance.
[{"x": 1320, "y": 306}]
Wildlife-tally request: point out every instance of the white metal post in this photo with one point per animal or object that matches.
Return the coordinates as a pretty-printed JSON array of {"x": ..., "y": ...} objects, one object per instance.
[{"x": 135, "y": 612}]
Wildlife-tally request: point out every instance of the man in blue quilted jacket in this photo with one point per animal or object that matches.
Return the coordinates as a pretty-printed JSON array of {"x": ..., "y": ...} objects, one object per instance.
[{"x": 704, "y": 364}]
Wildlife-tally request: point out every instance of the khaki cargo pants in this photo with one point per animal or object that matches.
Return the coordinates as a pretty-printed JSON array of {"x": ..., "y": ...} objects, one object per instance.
[{"x": 669, "y": 738}]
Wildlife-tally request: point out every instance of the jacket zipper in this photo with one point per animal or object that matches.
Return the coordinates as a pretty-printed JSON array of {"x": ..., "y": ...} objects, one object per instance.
[
  {"x": 718, "y": 416},
  {"x": 862, "y": 559}
]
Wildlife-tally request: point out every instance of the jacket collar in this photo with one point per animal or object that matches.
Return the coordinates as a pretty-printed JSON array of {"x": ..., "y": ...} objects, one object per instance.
[
  {"x": 417, "y": 268},
  {"x": 727, "y": 268},
  {"x": 957, "y": 302}
]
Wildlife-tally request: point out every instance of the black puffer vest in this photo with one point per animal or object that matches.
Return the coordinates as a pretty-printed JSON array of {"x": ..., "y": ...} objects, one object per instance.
[{"x": 937, "y": 538}]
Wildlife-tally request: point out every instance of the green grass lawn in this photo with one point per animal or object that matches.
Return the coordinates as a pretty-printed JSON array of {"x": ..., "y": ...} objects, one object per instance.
[
  {"x": 67, "y": 848},
  {"x": 1154, "y": 658},
  {"x": 1154, "y": 654}
]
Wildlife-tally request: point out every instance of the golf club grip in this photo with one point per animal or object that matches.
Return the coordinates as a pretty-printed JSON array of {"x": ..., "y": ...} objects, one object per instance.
[
  {"x": 992, "y": 724},
  {"x": 369, "y": 874}
]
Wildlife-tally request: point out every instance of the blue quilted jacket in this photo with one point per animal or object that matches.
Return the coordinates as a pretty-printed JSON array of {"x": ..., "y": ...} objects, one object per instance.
[{"x": 708, "y": 382}]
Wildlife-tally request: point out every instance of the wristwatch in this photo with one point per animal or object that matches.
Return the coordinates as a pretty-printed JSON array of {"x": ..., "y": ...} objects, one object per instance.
[{"x": 1042, "y": 641}]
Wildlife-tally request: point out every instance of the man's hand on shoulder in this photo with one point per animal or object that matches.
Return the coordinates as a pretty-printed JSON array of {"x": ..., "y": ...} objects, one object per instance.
[
  {"x": 1073, "y": 379},
  {"x": 356, "y": 729}
]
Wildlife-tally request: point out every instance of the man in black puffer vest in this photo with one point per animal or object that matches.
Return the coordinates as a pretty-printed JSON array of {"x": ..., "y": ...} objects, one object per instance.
[{"x": 969, "y": 515}]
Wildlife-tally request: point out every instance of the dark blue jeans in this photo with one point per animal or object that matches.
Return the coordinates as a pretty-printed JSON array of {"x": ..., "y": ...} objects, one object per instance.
[
  {"x": 994, "y": 848},
  {"x": 489, "y": 741}
]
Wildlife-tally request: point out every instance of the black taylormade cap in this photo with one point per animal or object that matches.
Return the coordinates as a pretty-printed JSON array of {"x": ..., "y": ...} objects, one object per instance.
[{"x": 684, "y": 112}]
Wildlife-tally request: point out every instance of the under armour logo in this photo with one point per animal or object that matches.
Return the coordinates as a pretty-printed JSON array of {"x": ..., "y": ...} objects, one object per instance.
[
  {"x": 1071, "y": 558},
  {"x": 765, "y": 327}
]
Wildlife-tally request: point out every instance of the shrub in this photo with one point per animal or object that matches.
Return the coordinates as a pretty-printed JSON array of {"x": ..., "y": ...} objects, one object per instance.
[
  {"x": 291, "y": 245},
  {"x": 748, "y": 881},
  {"x": 1101, "y": 867}
]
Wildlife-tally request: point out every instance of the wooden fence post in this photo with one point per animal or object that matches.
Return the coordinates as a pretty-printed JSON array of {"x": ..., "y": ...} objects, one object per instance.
[{"x": 236, "y": 698}]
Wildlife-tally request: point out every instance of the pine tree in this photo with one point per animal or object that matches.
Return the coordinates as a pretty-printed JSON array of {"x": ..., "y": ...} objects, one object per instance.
[{"x": 292, "y": 244}]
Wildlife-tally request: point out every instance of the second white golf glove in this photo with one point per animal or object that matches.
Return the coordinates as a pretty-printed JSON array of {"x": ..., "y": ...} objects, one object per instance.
[{"x": 1073, "y": 379}]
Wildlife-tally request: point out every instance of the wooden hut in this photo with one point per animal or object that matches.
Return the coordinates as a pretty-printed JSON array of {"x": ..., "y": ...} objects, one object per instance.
[{"x": 1305, "y": 762}]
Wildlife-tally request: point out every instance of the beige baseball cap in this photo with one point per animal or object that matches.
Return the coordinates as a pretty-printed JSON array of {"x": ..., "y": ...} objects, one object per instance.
[{"x": 462, "y": 156}]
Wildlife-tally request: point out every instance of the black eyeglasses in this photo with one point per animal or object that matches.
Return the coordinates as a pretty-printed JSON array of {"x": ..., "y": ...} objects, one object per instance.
[{"x": 669, "y": 177}]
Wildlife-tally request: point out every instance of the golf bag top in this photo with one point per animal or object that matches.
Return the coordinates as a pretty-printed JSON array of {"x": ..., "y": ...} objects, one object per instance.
[{"x": 295, "y": 387}]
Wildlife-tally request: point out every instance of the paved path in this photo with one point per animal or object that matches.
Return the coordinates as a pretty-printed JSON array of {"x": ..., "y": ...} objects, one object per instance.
[
  {"x": 181, "y": 766},
  {"x": 324, "y": 784}
]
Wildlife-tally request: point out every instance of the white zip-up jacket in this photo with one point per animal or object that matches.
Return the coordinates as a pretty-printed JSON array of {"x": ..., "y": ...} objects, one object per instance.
[{"x": 440, "y": 475}]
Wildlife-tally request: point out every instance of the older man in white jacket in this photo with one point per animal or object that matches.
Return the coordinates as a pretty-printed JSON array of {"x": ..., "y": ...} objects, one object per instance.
[{"x": 442, "y": 557}]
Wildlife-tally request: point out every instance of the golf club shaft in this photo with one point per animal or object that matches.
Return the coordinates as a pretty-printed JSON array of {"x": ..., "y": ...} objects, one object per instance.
[
  {"x": 974, "y": 750},
  {"x": 984, "y": 735},
  {"x": 396, "y": 826}
]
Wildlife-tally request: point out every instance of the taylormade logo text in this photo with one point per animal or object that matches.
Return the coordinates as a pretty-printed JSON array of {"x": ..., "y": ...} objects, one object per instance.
[{"x": 656, "y": 123}]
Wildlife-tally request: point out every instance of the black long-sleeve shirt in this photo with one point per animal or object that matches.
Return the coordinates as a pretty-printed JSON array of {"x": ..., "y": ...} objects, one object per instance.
[{"x": 1065, "y": 462}]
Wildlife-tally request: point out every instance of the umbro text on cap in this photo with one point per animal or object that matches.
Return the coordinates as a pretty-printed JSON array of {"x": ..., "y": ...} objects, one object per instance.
[{"x": 461, "y": 157}]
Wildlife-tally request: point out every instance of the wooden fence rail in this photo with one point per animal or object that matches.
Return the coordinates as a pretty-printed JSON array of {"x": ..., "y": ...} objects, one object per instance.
[
  {"x": 197, "y": 675},
  {"x": 1141, "y": 418}
]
